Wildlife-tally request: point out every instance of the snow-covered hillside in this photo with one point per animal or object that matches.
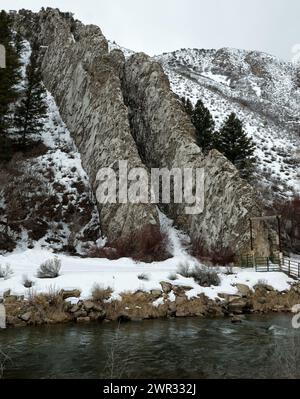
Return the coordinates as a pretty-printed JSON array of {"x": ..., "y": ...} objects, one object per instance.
[
  {"x": 52, "y": 204},
  {"x": 265, "y": 94}
]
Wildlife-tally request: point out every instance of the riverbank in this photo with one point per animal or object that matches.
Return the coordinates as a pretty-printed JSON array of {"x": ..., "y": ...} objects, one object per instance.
[
  {"x": 57, "y": 307},
  {"x": 86, "y": 289}
]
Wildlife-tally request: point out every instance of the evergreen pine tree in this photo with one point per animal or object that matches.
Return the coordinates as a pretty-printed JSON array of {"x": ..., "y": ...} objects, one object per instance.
[
  {"x": 204, "y": 124},
  {"x": 234, "y": 143},
  {"x": 187, "y": 105},
  {"x": 9, "y": 78},
  {"x": 32, "y": 108}
]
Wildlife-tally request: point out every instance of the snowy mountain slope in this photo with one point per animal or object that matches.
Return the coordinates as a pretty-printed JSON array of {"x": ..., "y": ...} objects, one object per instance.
[{"x": 263, "y": 91}]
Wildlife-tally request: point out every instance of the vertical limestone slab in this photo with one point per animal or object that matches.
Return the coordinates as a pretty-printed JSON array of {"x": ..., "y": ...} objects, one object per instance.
[
  {"x": 166, "y": 138},
  {"x": 85, "y": 82}
]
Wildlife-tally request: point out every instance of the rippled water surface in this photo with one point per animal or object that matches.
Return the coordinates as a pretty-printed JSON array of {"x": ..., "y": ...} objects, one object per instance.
[{"x": 260, "y": 347}]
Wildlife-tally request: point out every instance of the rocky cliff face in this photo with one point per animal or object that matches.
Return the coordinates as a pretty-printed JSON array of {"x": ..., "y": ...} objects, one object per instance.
[
  {"x": 84, "y": 80},
  {"x": 165, "y": 138},
  {"x": 125, "y": 110}
]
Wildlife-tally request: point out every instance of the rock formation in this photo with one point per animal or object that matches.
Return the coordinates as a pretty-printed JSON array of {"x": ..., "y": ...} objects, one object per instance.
[
  {"x": 125, "y": 110},
  {"x": 165, "y": 136},
  {"x": 84, "y": 80}
]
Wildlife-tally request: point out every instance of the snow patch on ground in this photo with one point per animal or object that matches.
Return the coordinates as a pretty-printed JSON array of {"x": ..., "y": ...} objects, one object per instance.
[{"x": 122, "y": 275}]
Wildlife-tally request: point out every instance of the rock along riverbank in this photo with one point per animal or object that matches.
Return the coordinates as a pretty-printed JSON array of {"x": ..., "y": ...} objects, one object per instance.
[{"x": 171, "y": 301}]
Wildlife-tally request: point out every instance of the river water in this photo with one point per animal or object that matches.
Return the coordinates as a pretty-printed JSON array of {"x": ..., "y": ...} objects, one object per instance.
[{"x": 260, "y": 347}]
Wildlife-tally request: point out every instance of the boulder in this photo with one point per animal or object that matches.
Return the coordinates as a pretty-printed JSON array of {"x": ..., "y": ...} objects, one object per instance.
[
  {"x": 180, "y": 290},
  {"x": 80, "y": 314},
  {"x": 70, "y": 294},
  {"x": 166, "y": 287},
  {"x": 156, "y": 293},
  {"x": 243, "y": 289},
  {"x": 172, "y": 307},
  {"x": 74, "y": 309},
  {"x": 14, "y": 321},
  {"x": 26, "y": 317},
  {"x": 263, "y": 287},
  {"x": 88, "y": 305},
  {"x": 181, "y": 300},
  {"x": 183, "y": 313},
  {"x": 237, "y": 306}
]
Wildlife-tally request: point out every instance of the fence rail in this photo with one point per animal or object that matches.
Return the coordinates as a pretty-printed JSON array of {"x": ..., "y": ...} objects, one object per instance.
[{"x": 289, "y": 266}]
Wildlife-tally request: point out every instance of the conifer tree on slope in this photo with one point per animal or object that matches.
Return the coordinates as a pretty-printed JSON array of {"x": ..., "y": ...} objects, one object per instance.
[
  {"x": 205, "y": 125},
  {"x": 233, "y": 142},
  {"x": 9, "y": 78},
  {"x": 187, "y": 105},
  {"x": 32, "y": 108}
]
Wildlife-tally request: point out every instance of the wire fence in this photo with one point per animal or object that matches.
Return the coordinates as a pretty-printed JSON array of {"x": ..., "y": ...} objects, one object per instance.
[{"x": 271, "y": 264}]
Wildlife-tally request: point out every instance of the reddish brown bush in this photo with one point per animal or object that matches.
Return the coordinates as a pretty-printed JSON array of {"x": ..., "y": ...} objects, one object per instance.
[
  {"x": 145, "y": 245},
  {"x": 218, "y": 256},
  {"x": 104, "y": 252},
  {"x": 222, "y": 257}
]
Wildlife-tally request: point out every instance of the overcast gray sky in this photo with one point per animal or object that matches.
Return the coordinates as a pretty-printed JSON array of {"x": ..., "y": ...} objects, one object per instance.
[{"x": 155, "y": 26}]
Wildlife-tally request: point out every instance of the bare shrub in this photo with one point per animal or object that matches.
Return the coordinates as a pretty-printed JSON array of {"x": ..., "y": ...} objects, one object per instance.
[
  {"x": 143, "y": 277},
  {"x": 261, "y": 283},
  {"x": 205, "y": 277},
  {"x": 172, "y": 276},
  {"x": 103, "y": 253},
  {"x": 101, "y": 293},
  {"x": 229, "y": 271},
  {"x": 6, "y": 272},
  {"x": 52, "y": 297},
  {"x": 148, "y": 244},
  {"x": 221, "y": 256},
  {"x": 27, "y": 283},
  {"x": 47, "y": 305},
  {"x": 49, "y": 269},
  {"x": 184, "y": 270}
]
